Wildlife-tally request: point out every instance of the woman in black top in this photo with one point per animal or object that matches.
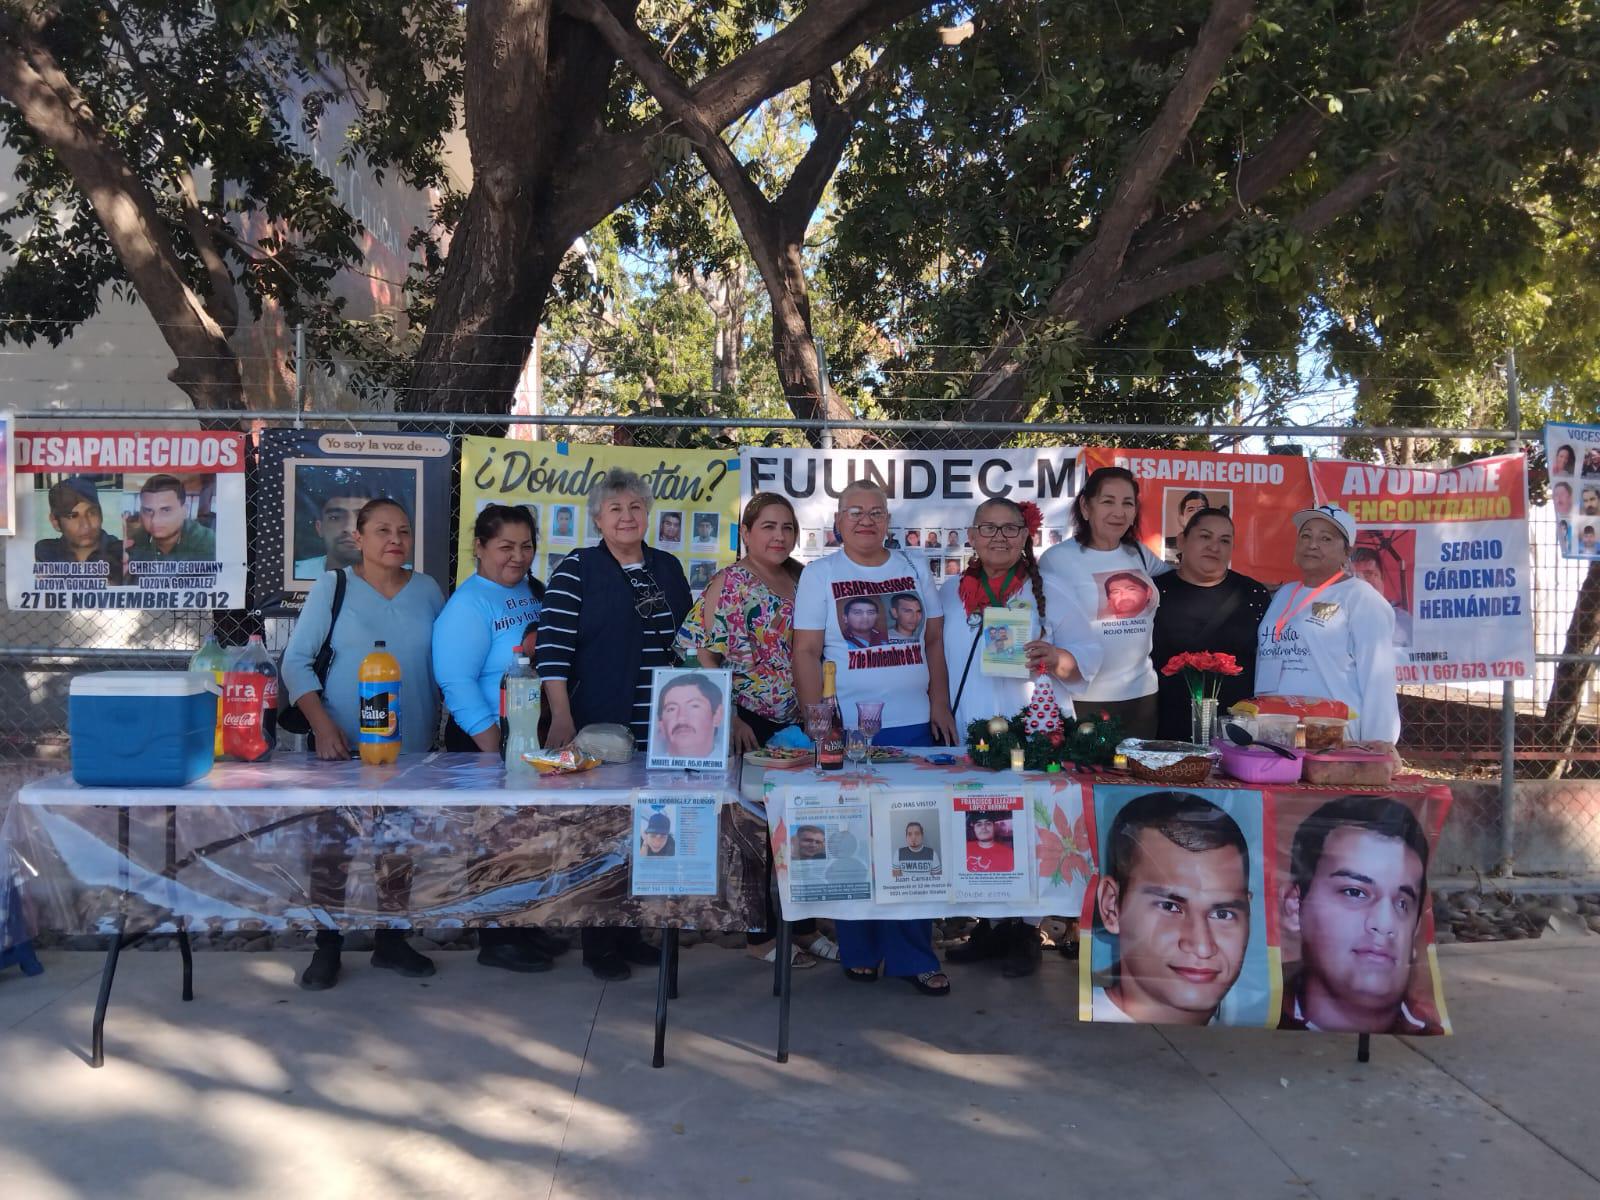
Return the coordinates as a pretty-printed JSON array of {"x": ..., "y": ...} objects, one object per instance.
[{"x": 1205, "y": 607}]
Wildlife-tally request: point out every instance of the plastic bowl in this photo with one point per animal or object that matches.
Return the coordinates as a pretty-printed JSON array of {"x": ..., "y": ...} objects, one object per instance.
[{"x": 1252, "y": 764}]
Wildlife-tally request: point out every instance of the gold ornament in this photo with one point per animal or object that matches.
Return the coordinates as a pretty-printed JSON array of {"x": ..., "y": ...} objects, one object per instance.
[{"x": 999, "y": 726}]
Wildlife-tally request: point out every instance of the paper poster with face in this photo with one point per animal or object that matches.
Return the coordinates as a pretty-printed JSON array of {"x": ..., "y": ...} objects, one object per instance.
[
  {"x": 932, "y": 493},
  {"x": 908, "y": 849},
  {"x": 691, "y": 711},
  {"x": 990, "y": 840},
  {"x": 1348, "y": 889},
  {"x": 1175, "y": 922},
  {"x": 1573, "y": 452},
  {"x": 1448, "y": 549},
  {"x": 1260, "y": 492},
  {"x": 313, "y": 486},
  {"x": 826, "y": 848},
  {"x": 675, "y": 844},
  {"x": 1005, "y": 632},
  {"x": 132, "y": 520}
]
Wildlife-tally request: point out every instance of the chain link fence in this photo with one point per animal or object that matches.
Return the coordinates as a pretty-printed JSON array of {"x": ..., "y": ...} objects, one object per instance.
[{"x": 1469, "y": 733}]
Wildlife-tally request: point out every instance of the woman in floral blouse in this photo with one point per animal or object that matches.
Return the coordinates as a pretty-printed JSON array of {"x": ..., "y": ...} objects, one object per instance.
[{"x": 744, "y": 621}]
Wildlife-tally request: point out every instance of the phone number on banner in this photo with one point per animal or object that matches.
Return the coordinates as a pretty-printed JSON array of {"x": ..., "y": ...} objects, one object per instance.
[{"x": 1446, "y": 672}]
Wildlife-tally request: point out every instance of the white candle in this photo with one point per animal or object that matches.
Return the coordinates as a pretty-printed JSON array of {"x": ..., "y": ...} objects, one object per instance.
[{"x": 1016, "y": 758}]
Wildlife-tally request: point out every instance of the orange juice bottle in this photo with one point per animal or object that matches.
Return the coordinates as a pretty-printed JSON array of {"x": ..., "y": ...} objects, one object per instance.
[{"x": 378, "y": 687}]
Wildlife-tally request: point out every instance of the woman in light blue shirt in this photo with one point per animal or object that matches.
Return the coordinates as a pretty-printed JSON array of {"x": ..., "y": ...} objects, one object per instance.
[
  {"x": 482, "y": 626},
  {"x": 384, "y": 599}
]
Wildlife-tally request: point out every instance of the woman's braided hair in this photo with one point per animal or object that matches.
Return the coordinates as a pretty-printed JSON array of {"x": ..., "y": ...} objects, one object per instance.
[{"x": 1030, "y": 564}]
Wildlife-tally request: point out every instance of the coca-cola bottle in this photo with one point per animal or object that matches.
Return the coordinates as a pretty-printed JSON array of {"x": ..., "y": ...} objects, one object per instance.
[{"x": 250, "y": 703}]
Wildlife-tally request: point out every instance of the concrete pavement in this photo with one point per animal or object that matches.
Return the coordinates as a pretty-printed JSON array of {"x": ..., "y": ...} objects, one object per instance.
[{"x": 480, "y": 1084}]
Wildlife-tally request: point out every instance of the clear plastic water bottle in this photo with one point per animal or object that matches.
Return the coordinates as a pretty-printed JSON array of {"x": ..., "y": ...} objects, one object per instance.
[
  {"x": 519, "y": 731},
  {"x": 250, "y": 703}
]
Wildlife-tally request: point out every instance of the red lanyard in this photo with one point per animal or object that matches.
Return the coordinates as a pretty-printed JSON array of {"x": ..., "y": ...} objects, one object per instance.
[{"x": 1293, "y": 609}]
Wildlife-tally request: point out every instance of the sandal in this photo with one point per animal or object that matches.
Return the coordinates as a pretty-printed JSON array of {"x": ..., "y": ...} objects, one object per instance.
[
  {"x": 799, "y": 960},
  {"x": 823, "y": 947},
  {"x": 924, "y": 983},
  {"x": 861, "y": 974}
]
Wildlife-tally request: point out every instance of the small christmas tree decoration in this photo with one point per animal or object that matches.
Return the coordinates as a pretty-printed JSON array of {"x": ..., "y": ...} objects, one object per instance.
[{"x": 1043, "y": 715}]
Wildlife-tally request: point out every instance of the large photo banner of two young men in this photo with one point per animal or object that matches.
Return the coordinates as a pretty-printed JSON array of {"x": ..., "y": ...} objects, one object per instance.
[
  {"x": 310, "y": 488},
  {"x": 694, "y": 514},
  {"x": 108, "y": 519}
]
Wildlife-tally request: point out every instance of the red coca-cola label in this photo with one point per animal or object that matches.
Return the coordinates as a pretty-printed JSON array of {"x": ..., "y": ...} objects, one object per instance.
[{"x": 249, "y": 714}]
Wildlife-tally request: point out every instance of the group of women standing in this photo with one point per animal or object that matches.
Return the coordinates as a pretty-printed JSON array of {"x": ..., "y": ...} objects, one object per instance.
[{"x": 1104, "y": 614}]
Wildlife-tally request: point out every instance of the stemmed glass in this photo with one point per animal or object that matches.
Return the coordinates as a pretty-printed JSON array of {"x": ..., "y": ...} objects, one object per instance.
[
  {"x": 869, "y": 721},
  {"x": 819, "y": 717}
]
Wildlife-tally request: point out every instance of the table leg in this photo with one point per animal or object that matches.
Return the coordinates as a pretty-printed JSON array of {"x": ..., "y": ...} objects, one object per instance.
[
  {"x": 1363, "y": 1047},
  {"x": 659, "y": 1059},
  {"x": 670, "y": 948},
  {"x": 108, "y": 973},
  {"x": 785, "y": 988},
  {"x": 185, "y": 951}
]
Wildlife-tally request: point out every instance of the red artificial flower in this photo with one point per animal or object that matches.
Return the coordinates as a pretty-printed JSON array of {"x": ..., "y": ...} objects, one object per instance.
[
  {"x": 1227, "y": 665},
  {"x": 1032, "y": 517},
  {"x": 1176, "y": 663}
]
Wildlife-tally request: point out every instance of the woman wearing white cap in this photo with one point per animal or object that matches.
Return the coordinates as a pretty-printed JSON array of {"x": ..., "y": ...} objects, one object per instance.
[{"x": 1331, "y": 635}]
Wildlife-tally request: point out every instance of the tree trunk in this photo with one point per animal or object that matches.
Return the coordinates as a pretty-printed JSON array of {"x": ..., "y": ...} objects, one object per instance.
[
  {"x": 1571, "y": 678},
  {"x": 59, "y": 116}
]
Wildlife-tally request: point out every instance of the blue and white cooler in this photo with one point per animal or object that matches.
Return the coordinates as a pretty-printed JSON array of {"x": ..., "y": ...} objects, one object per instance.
[{"x": 141, "y": 728}]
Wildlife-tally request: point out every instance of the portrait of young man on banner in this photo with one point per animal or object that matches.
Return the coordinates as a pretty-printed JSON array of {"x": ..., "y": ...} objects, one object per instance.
[
  {"x": 1178, "y": 934},
  {"x": 1356, "y": 919},
  {"x": 690, "y": 712},
  {"x": 323, "y": 501}
]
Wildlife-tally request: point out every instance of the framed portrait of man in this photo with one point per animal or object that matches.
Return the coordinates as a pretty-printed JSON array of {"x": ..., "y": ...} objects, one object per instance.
[{"x": 691, "y": 713}]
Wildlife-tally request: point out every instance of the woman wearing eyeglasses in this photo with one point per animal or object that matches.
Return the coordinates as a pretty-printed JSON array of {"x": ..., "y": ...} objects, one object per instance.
[
  {"x": 1061, "y": 647},
  {"x": 844, "y": 609},
  {"x": 611, "y": 615}
]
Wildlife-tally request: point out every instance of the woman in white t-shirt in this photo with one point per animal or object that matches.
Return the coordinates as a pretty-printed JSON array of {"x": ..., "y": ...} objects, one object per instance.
[
  {"x": 853, "y": 608},
  {"x": 1331, "y": 635},
  {"x": 1111, "y": 578}
]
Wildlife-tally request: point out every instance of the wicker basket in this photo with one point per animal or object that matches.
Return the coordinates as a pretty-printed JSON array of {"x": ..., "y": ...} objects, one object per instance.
[{"x": 1189, "y": 770}]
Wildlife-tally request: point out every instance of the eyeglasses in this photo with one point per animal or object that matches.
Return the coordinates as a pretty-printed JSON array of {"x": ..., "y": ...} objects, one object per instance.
[
  {"x": 855, "y": 512},
  {"x": 989, "y": 529},
  {"x": 648, "y": 598}
]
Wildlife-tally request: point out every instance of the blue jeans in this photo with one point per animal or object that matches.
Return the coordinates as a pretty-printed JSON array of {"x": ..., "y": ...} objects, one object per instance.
[{"x": 903, "y": 947}]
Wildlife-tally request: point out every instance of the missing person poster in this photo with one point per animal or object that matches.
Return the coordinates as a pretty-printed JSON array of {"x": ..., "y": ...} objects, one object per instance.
[
  {"x": 311, "y": 487},
  {"x": 991, "y": 836},
  {"x": 1448, "y": 549},
  {"x": 829, "y": 848},
  {"x": 1005, "y": 632},
  {"x": 1573, "y": 452},
  {"x": 908, "y": 849},
  {"x": 1175, "y": 926},
  {"x": 674, "y": 844},
  {"x": 1261, "y": 492},
  {"x": 691, "y": 711},
  {"x": 128, "y": 519},
  {"x": 932, "y": 493},
  {"x": 694, "y": 515}
]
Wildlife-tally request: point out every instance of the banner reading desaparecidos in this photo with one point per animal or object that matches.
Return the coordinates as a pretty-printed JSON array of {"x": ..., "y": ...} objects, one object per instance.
[
  {"x": 932, "y": 493},
  {"x": 1262, "y": 492},
  {"x": 311, "y": 486},
  {"x": 128, "y": 519},
  {"x": 695, "y": 515},
  {"x": 1573, "y": 452},
  {"x": 1449, "y": 550}
]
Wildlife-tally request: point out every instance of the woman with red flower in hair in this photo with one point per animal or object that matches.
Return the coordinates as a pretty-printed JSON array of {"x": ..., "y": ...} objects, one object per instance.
[{"x": 1061, "y": 647}]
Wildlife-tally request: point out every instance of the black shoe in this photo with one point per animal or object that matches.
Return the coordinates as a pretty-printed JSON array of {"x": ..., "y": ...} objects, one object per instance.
[
  {"x": 323, "y": 972},
  {"x": 1023, "y": 952},
  {"x": 514, "y": 956},
  {"x": 640, "y": 953},
  {"x": 391, "y": 952},
  {"x": 546, "y": 942},
  {"x": 983, "y": 943},
  {"x": 1068, "y": 947},
  {"x": 608, "y": 967}
]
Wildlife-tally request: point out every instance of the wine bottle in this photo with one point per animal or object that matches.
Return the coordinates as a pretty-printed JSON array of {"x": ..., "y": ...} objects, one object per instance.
[{"x": 830, "y": 751}]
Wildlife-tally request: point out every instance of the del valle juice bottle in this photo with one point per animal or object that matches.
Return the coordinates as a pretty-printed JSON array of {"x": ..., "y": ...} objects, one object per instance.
[
  {"x": 378, "y": 690},
  {"x": 250, "y": 703}
]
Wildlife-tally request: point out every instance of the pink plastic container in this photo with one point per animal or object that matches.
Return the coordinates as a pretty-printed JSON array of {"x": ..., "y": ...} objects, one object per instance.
[{"x": 1251, "y": 764}]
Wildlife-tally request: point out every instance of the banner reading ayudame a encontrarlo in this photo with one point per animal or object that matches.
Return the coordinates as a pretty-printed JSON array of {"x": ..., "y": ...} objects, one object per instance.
[
  {"x": 932, "y": 493},
  {"x": 1449, "y": 550},
  {"x": 128, "y": 519},
  {"x": 695, "y": 515}
]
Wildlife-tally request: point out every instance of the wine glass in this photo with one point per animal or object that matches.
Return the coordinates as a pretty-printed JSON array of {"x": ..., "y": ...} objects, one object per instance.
[
  {"x": 856, "y": 743},
  {"x": 869, "y": 720},
  {"x": 819, "y": 717}
]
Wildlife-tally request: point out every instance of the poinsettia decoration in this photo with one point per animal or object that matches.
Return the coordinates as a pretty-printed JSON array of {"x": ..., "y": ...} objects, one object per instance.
[
  {"x": 1062, "y": 844},
  {"x": 1203, "y": 671}
]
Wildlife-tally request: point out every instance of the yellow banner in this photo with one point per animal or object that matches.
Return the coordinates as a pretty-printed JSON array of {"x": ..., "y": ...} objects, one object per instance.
[{"x": 695, "y": 515}]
